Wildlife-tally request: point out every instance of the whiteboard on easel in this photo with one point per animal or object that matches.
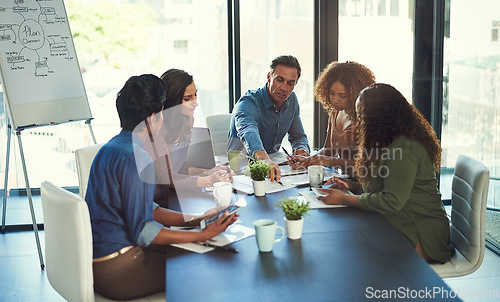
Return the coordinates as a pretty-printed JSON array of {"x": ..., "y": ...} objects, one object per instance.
[{"x": 41, "y": 77}]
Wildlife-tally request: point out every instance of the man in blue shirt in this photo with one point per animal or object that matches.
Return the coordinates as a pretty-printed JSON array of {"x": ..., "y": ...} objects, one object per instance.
[
  {"x": 128, "y": 228},
  {"x": 261, "y": 118}
]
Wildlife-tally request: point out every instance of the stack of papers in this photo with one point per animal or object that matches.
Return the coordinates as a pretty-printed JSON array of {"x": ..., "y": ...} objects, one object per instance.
[{"x": 232, "y": 234}]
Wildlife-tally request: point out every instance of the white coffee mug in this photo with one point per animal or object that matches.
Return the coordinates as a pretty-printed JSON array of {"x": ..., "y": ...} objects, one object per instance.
[
  {"x": 316, "y": 175},
  {"x": 265, "y": 234},
  {"x": 222, "y": 193}
]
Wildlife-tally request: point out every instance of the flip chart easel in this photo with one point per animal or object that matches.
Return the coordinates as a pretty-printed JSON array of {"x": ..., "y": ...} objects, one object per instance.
[{"x": 40, "y": 76}]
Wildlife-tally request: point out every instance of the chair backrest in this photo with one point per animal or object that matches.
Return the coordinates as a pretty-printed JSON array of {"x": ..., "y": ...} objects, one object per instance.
[
  {"x": 468, "y": 214},
  {"x": 84, "y": 158},
  {"x": 68, "y": 243},
  {"x": 219, "y": 129}
]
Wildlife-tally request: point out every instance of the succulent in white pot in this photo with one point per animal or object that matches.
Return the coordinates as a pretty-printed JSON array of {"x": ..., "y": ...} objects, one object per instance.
[
  {"x": 257, "y": 171},
  {"x": 294, "y": 209}
]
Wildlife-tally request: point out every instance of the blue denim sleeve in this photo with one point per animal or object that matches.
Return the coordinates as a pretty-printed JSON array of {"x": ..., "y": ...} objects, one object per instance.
[
  {"x": 149, "y": 232},
  {"x": 247, "y": 126}
]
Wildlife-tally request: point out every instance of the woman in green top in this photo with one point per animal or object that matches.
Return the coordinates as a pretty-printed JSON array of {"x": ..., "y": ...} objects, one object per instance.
[{"x": 398, "y": 157}]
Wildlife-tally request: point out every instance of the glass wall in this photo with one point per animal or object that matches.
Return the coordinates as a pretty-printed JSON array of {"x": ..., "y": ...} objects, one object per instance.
[
  {"x": 270, "y": 28},
  {"x": 379, "y": 34},
  {"x": 471, "y": 100},
  {"x": 115, "y": 40}
]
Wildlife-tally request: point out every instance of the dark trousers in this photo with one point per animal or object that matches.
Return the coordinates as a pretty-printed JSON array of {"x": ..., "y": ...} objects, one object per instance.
[{"x": 137, "y": 273}]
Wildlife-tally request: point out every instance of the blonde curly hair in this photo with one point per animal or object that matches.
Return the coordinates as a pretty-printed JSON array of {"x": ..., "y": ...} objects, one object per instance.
[{"x": 352, "y": 75}]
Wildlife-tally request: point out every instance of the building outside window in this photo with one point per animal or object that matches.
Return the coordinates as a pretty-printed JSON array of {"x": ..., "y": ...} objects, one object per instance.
[
  {"x": 379, "y": 34},
  {"x": 270, "y": 28},
  {"x": 471, "y": 100},
  {"x": 494, "y": 31}
]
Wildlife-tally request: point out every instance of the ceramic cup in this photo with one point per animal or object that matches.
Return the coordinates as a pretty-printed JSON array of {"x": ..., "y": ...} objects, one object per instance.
[
  {"x": 316, "y": 175},
  {"x": 234, "y": 157},
  {"x": 222, "y": 193},
  {"x": 265, "y": 234}
]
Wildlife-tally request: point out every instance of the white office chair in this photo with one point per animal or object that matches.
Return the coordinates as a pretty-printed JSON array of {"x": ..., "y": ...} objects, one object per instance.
[
  {"x": 84, "y": 158},
  {"x": 68, "y": 246},
  {"x": 468, "y": 218},
  {"x": 219, "y": 128}
]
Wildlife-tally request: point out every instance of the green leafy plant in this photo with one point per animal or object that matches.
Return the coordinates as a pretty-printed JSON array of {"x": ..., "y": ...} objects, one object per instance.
[
  {"x": 257, "y": 170},
  {"x": 293, "y": 207}
]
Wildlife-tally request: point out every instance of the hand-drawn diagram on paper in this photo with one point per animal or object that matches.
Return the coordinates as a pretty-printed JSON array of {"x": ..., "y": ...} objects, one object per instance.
[{"x": 37, "y": 51}]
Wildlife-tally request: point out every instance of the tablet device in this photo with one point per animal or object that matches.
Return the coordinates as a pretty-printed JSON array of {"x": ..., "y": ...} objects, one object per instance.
[
  {"x": 319, "y": 193},
  {"x": 231, "y": 209}
]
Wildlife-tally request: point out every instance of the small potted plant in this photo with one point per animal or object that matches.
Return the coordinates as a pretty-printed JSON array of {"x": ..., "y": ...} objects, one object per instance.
[
  {"x": 257, "y": 171},
  {"x": 294, "y": 208}
]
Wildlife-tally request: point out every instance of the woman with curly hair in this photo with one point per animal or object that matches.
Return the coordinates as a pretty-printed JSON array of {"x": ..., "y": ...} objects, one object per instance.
[
  {"x": 337, "y": 89},
  {"x": 178, "y": 118},
  {"x": 398, "y": 157}
]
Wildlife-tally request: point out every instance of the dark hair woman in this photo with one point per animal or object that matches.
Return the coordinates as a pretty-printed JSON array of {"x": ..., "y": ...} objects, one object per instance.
[
  {"x": 398, "y": 157},
  {"x": 181, "y": 100}
]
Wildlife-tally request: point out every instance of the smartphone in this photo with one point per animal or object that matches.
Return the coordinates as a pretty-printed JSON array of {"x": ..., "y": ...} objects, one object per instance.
[
  {"x": 231, "y": 209},
  {"x": 318, "y": 192}
]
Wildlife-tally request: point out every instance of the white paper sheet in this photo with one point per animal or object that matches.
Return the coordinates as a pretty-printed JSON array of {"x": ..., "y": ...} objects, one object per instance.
[
  {"x": 297, "y": 180},
  {"x": 278, "y": 157},
  {"x": 244, "y": 184},
  {"x": 287, "y": 170},
  {"x": 302, "y": 178}
]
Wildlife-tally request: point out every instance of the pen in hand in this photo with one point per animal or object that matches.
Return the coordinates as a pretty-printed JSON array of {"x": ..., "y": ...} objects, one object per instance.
[{"x": 287, "y": 154}]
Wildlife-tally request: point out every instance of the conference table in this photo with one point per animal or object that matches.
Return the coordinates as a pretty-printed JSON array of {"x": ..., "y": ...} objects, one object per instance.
[{"x": 345, "y": 254}]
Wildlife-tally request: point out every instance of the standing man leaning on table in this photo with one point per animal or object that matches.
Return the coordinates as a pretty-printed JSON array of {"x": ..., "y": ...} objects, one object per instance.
[
  {"x": 128, "y": 229},
  {"x": 262, "y": 117}
]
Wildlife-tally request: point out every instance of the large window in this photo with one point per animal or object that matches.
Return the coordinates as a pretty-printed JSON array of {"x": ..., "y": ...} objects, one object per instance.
[
  {"x": 270, "y": 28},
  {"x": 115, "y": 40},
  {"x": 379, "y": 34},
  {"x": 471, "y": 101}
]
